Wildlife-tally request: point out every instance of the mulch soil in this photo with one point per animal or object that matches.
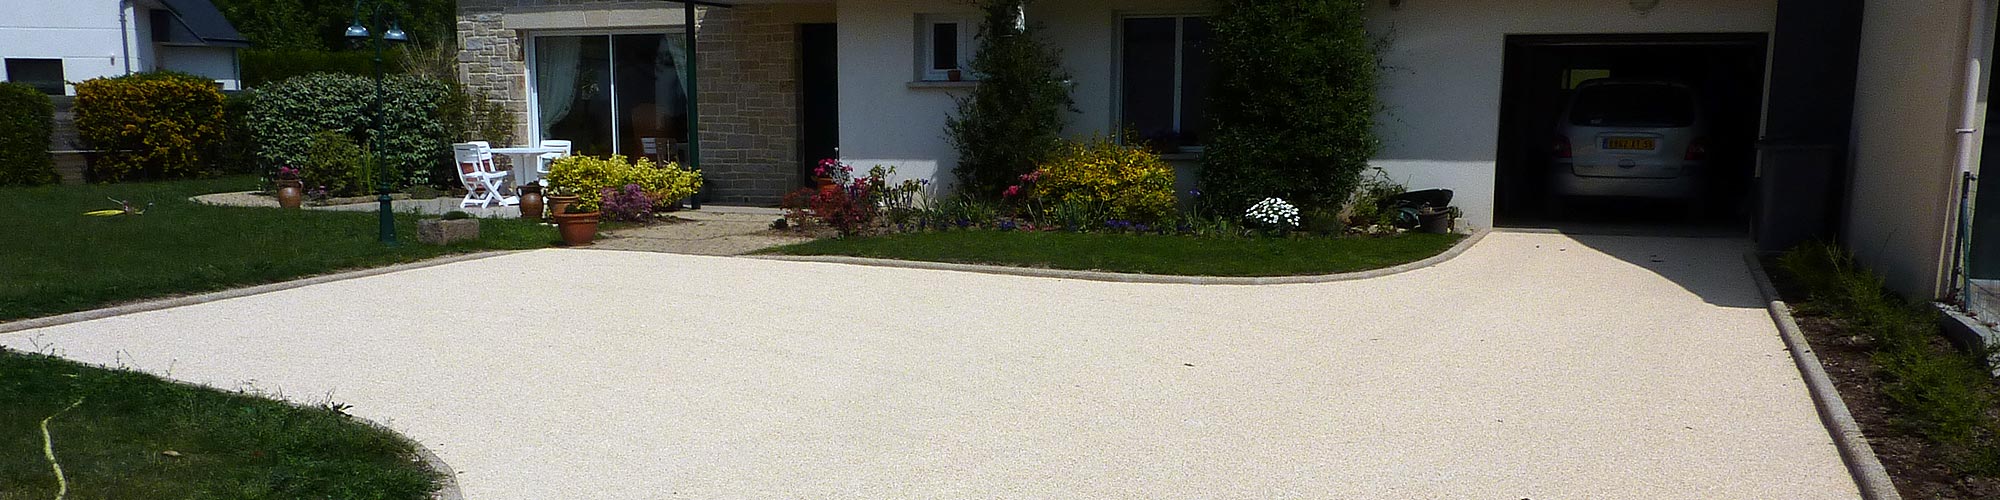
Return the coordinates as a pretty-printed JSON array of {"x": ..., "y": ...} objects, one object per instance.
[{"x": 1919, "y": 468}]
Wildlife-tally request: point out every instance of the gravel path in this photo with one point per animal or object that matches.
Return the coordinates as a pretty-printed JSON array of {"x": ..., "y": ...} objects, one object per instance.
[{"x": 1533, "y": 366}]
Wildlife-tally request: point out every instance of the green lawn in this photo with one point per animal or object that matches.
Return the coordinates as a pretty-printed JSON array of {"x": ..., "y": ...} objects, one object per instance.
[
  {"x": 57, "y": 260},
  {"x": 1178, "y": 255},
  {"x": 230, "y": 446}
]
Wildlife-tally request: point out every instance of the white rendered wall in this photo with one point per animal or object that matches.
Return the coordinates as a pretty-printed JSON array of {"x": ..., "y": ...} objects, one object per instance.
[
  {"x": 1442, "y": 92},
  {"x": 218, "y": 63},
  {"x": 1910, "y": 93},
  {"x": 885, "y": 120},
  {"x": 83, "y": 33}
]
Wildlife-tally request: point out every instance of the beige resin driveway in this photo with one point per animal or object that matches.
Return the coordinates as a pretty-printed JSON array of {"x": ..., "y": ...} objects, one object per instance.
[{"x": 1533, "y": 366}]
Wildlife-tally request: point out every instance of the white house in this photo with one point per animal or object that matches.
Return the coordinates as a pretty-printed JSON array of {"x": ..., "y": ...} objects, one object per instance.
[
  {"x": 1862, "y": 120},
  {"x": 53, "y": 44}
]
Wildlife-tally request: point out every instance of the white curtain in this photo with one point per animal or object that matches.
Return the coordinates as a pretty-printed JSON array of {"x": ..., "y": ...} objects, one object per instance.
[
  {"x": 558, "y": 60},
  {"x": 676, "y": 48}
]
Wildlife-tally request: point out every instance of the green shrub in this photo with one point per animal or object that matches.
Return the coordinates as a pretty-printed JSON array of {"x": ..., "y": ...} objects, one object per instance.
[
  {"x": 1293, "y": 103},
  {"x": 26, "y": 120},
  {"x": 150, "y": 125},
  {"x": 587, "y": 177},
  {"x": 238, "y": 152},
  {"x": 1131, "y": 183},
  {"x": 265, "y": 66},
  {"x": 1013, "y": 120},
  {"x": 335, "y": 163},
  {"x": 1942, "y": 395},
  {"x": 414, "y": 143}
]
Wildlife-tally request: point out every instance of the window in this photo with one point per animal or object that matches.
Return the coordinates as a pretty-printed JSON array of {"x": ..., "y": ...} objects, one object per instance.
[
  {"x": 944, "y": 46},
  {"x": 1164, "y": 78},
  {"x": 45, "y": 75},
  {"x": 610, "y": 93},
  {"x": 1633, "y": 105}
]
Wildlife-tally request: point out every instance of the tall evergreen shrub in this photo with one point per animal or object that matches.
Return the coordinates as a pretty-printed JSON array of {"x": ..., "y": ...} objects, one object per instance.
[
  {"x": 26, "y": 120},
  {"x": 1013, "y": 121},
  {"x": 1293, "y": 103},
  {"x": 146, "y": 126}
]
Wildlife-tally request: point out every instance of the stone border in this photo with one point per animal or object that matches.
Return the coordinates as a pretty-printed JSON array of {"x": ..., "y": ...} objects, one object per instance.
[
  {"x": 1034, "y": 272},
  {"x": 447, "y": 481},
  {"x": 158, "y": 304},
  {"x": 1869, "y": 475}
]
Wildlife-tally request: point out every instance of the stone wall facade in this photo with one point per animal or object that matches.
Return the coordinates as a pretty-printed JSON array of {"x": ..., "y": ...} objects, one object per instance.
[{"x": 748, "y": 71}]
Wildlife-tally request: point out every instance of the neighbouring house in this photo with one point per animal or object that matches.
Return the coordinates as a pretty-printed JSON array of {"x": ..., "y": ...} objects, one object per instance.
[
  {"x": 56, "y": 44},
  {"x": 1830, "y": 118}
]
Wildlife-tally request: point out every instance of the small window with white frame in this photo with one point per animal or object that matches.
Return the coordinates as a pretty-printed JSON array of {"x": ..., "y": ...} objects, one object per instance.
[{"x": 944, "y": 47}]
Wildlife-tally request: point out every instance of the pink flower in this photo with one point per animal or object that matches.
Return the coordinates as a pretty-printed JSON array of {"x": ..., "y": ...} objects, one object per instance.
[
  {"x": 1032, "y": 176},
  {"x": 819, "y": 172},
  {"x": 1012, "y": 191}
]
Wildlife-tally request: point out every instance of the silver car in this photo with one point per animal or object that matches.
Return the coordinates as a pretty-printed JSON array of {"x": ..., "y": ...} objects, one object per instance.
[{"x": 1630, "y": 138}]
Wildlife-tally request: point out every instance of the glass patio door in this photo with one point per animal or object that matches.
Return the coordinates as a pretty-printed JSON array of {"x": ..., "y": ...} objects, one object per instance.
[{"x": 610, "y": 94}]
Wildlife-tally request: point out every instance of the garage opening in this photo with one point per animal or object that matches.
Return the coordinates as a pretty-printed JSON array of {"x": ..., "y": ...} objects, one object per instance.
[{"x": 1630, "y": 130}]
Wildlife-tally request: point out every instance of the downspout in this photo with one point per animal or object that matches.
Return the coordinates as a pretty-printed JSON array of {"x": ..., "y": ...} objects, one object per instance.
[
  {"x": 1967, "y": 133},
  {"x": 125, "y": 33}
]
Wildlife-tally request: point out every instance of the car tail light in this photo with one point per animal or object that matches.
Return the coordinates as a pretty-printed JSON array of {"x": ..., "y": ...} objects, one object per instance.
[
  {"x": 1697, "y": 150},
  {"x": 1561, "y": 147}
]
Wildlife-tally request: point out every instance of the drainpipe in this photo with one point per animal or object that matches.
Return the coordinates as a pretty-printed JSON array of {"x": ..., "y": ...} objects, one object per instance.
[
  {"x": 125, "y": 33},
  {"x": 1968, "y": 129}
]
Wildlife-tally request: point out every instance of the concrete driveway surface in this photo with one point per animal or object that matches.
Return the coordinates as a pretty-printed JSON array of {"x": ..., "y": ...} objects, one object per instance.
[{"x": 1533, "y": 366}]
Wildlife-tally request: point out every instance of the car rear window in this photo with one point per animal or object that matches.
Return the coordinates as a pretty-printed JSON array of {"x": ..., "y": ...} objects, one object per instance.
[{"x": 1633, "y": 106}]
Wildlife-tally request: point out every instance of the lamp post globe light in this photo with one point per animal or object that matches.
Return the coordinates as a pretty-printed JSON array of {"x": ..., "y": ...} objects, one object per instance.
[{"x": 360, "y": 33}]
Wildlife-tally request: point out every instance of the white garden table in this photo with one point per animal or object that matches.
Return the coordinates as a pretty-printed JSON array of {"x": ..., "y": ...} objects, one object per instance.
[{"x": 525, "y": 160}]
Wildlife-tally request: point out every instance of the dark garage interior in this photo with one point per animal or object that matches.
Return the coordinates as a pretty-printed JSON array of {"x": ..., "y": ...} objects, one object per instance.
[{"x": 1726, "y": 72}]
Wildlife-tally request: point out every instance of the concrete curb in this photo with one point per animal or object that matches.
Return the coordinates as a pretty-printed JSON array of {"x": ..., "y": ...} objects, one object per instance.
[
  {"x": 1869, "y": 475},
  {"x": 1160, "y": 279},
  {"x": 447, "y": 477},
  {"x": 155, "y": 305}
]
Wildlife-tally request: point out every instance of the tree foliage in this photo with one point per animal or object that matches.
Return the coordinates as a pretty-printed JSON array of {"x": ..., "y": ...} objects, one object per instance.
[
  {"x": 1013, "y": 121},
  {"x": 1294, "y": 102},
  {"x": 320, "y": 24}
]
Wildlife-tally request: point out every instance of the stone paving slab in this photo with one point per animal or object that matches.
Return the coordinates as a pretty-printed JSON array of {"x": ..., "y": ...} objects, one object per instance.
[{"x": 1531, "y": 366}]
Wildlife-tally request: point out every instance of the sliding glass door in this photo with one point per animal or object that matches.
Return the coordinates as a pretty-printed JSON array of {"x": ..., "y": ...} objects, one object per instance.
[{"x": 610, "y": 93}]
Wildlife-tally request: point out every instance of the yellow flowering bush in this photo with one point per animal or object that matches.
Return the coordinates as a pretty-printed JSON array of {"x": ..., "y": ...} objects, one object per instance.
[
  {"x": 586, "y": 177},
  {"x": 1131, "y": 183},
  {"x": 150, "y": 125}
]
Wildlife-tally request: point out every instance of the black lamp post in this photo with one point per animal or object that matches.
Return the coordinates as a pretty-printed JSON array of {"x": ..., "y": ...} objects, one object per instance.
[{"x": 359, "y": 33}]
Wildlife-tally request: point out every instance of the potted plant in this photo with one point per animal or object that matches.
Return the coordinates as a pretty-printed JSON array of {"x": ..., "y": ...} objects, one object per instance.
[
  {"x": 831, "y": 175},
  {"x": 577, "y": 226},
  {"x": 1437, "y": 220},
  {"x": 559, "y": 199},
  {"x": 291, "y": 192}
]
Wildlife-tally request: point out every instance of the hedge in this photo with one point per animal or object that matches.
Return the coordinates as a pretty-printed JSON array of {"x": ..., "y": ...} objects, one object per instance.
[
  {"x": 414, "y": 144},
  {"x": 268, "y": 66},
  {"x": 26, "y": 120},
  {"x": 150, "y": 125}
]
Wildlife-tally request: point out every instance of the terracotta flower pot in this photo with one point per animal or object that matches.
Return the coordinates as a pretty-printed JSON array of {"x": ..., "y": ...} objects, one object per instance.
[
  {"x": 291, "y": 193},
  {"x": 826, "y": 185},
  {"x": 531, "y": 202},
  {"x": 560, "y": 203},
  {"x": 578, "y": 229}
]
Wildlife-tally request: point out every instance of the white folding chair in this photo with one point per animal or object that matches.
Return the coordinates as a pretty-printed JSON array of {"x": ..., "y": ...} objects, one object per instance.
[
  {"x": 477, "y": 173},
  {"x": 549, "y": 159}
]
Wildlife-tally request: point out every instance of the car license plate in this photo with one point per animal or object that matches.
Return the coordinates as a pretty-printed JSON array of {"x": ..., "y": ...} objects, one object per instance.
[{"x": 1641, "y": 143}]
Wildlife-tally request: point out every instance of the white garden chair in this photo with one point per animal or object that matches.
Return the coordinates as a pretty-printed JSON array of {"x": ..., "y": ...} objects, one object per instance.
[
  {"x": 549, "y": 159},
  {"x": 476, "y": 172}
]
